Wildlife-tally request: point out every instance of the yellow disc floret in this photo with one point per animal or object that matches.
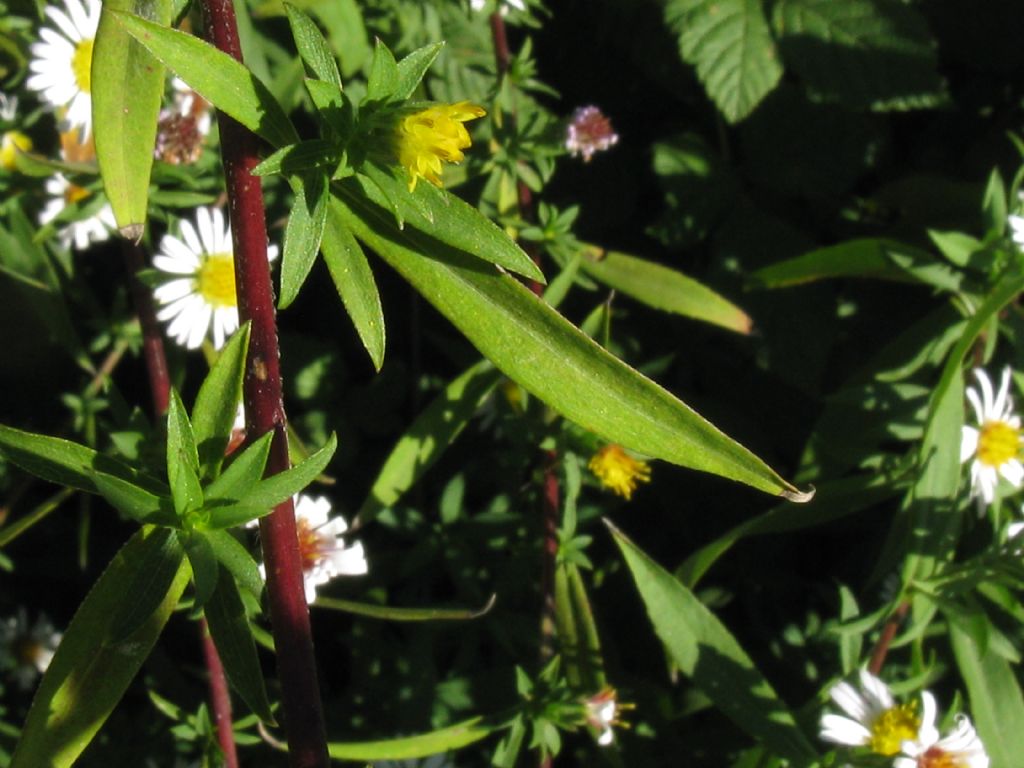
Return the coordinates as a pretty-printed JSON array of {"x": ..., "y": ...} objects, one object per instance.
[
  {"x": 12, "y": 142},
  {"x": 893, "y": 727},
  {"x": 215, "y": 280},
  {"x": 998, "y": 442},
  {"x": 81, "y": 65},
  {"x": 618, "y": 471},
  {"x": 430, "y": 136}
]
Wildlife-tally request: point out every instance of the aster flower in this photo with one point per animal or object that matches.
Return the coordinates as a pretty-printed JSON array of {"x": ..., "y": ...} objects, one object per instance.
[
  {"x": 618, "y": 471},
  {"x": 603, "y": 712},
  {"x": 80, "y": 234},
  {"x": 427, "y": 137},
  {"x": 961, "y": 748},
  {"x": 27, "y": 650},
  {"x": 62, "y": 62},
  {"x": 995, "y": 444},
  {"x": 322, "y": 547},
  {"x": 872, "y": 718},
  {"x": 589, "y": 132},
  {"x": 1016, "y": 223},
  {"x": 200, "y": 295}
]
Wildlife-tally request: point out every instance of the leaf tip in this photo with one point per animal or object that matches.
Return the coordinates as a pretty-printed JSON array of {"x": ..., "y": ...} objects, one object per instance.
[
  {"x": 798, "y": 497},
  {"x": 132, "y": 232}
]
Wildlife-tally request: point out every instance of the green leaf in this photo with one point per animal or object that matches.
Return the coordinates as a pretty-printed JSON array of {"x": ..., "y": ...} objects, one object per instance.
[
  {"x": 413, "y": 67},
  {"x": 446, "y": 218},
  {"x": 354, "y": 282},
  {"x": 303, "y": 233},
  {"x": 410, "y": 747},
  {"x": 997, "y": 705},
  {"x": 204, "y": 565},
  {"x": 538, "y": 348},
  {"x": 93, "y": 666},
  {"x": 346, "y": 31},
  {"x": 663, "y": 288},
  {"x": 127, "y": 88},
  {"x": 314, "y": 154},
  {"x": 245, "y": 471},
  {"x": 707, "y": 653},
  {"x": 271, "y": 491},
  {"x": 217, "y": 77},
  {"x": 182, "y": 459},
  {"x": 135, "y": 502},
  {"x": 216, "y": 406},
  {"x": 865, "y": 257},
  {"x": 391, "y": 613},
  {"x": 230, "y": 553},
  {"x": 229, "y": 628},
  {"x": 875, "y": 54},
  {"x": 382, "y": 83},
  {"x": 429, "y": 436},
  {"x": 316, "y": 53},
  {"x": 730, "y": 44}
]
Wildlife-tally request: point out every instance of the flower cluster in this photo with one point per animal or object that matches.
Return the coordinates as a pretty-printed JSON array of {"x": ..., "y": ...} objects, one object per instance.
[
  {"x": 872, "y": 720},
  {"x": 618, "y": 471},
  {"x": 589, "y": 132}
]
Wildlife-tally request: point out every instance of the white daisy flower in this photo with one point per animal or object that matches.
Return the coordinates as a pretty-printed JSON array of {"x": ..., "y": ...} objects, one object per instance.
[
  {"x": 602, "y": 713},
  {"x": 62, "y": 62},
  {"x": 995, "y": 444},
  {"x": 93, "y": 229},
  {"x": 322, "y": 548},
  {"x": 961, "y": 748},
  {"x": 201, "y": 294},
  {"x": 1017, "y": 229},
  {"x": 26, "y": 651},
  {"x": 872, "y": 719}
]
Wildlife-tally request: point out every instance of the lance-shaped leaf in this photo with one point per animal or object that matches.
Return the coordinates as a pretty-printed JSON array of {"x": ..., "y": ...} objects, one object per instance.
[
  {"x": 538, "y": 348},
  {"x": 315, "y": 51},
  {"x": 182, "y": 459},
  {"x": 135, "y": 502},
  {"x": 413, "y": 67},
  {"x": 865, "y": 257},
  {"x": 205, "y": 570},
  {"x": 236, "y": 558},
  {"x": 709, "y": 655},
  {"x": 217, "y": 77},
  {"x": 96, "y": 661},
  {"x": 270, "y": 492},
  {"x": 127, "y": 88},
  {"x": 663, "y": 288},
  {"x": 216, "y": 406},
  {"x": 383, "y": 82},
  {"x": 392, "y": 613},
  {"x": 243, "y": 473},
  {"x": 303, "y": 233},
  {"x": 410, "y": 747}
]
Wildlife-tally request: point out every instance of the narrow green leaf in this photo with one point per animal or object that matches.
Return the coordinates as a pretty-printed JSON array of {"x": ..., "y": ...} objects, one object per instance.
[
  {"x": 391, "y": 613},
  {"x": 245, "y": 471},
  {"x": 92, "y": 667},
  {"x": 217, "y": 77},
  {"x": 230, "y": 514},
  {"x": 997, "y": 705},
  {"x": 205, "y": 570},
  {"x": 413, "y": 67},
  {"x": 303, "y": 233},
  {"x": 662, "y": 288},
  {"x": 316, "y": 53},
  {"x": 429, "y": 436},
  {"x": 346, "y": 31},
  {"x": 328, "y": 99},
  {"x": 216, "y": 406},
  {"x": 354, "y": 282},
  {"x": 707, "y": 653},
  {"x": 312, "y": 154},
  {"x": 229, "y": 628},
  {"x": 182, "y": 459},
  {"x": 383, "y": 80},
  {"x": 410, "y": 747},
  {"x": 230, "y": 553},
  {"x": 127, "y": 88},
  {"x": 135, "y": 502},
  {"x": 865, "y": 257},
  {"x": 271, "y": 491},
  {"x": 730, "y": 44},
  {"x": 538, "y": 348}
]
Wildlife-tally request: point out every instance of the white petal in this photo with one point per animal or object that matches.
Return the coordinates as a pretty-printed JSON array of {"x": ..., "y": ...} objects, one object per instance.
[
  {"x": 1013, "y": 472},
  {"x": 968, "y": 443},
  {"x": 843, "y": 730},
  {"x": 986, "y": 393},
  {"x": 350, "y": 561}
]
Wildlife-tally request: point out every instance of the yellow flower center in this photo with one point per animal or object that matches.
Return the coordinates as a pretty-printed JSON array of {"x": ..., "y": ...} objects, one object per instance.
[
  {"x": 81, "y": 65},
  {"x": 618, "y": 471},
  {"x": 9, "y": 146},
  {"x": 893, "y": 727},
  {"x": 310, "y": 544},
  {"x": 215, "y": 280},
  {"x": 74, "y": 194},
  {"x": 998, "y": 442},
  {"x": 432, "y": 135}
]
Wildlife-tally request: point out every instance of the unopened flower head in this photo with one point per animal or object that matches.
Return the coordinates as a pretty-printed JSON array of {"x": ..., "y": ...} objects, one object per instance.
[
  {"x": 872, "y": 718},
  {"x": 61, "y": 63},
  {"x": 94, "y": 228},
  {"x": 426, "y": 138},
  {"x": 960, "y": 748},
  {"x": 200, "y": 295},
  {"x": 994, "y": 446},
  {"x": 322, "y": 548},
  {"x": 618, "y": 471},
  {"x": 603, "y": 712},
  {"x": 27, "y": 650},
  {"x": 589, "y": 132}
]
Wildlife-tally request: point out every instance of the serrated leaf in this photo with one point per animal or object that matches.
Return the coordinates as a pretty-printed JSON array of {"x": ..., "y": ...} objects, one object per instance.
[
  {"x": 413, "y": 67},
  {"x": 706, "y": 652},
  {"x": 127, "y": 88},
  {"x": 215, "y": 76},
  {"x": 92, "y": 668},
  {"x": 216, "y": 406},
  {"x": 355, "y": 284},
  {"x": 229, "y": 628},
  {"x": 410, "y": 747},
  {"x": 538, "y": 348},
  {"x": 730, "y": 44},
  {"x": 662, "y": 288},
  {"x": 303, "y": 233},
  {"x": 382, "y": 83},
  {"x": 182, "y": 459},
  {"x": 314, "y": 50},
  {"x": 429, "y": 436},
  {"x": 875, "y": 54},
  {"x": 271, "y": 491},
  {"x": 245, "y": 470}
]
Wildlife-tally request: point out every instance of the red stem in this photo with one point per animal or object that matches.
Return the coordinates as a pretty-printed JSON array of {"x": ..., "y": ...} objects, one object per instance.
[
  {"x": 220, "y": 698},
  {"x": 264, "y": 407},
  {"x": 881, "y": 648}
]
